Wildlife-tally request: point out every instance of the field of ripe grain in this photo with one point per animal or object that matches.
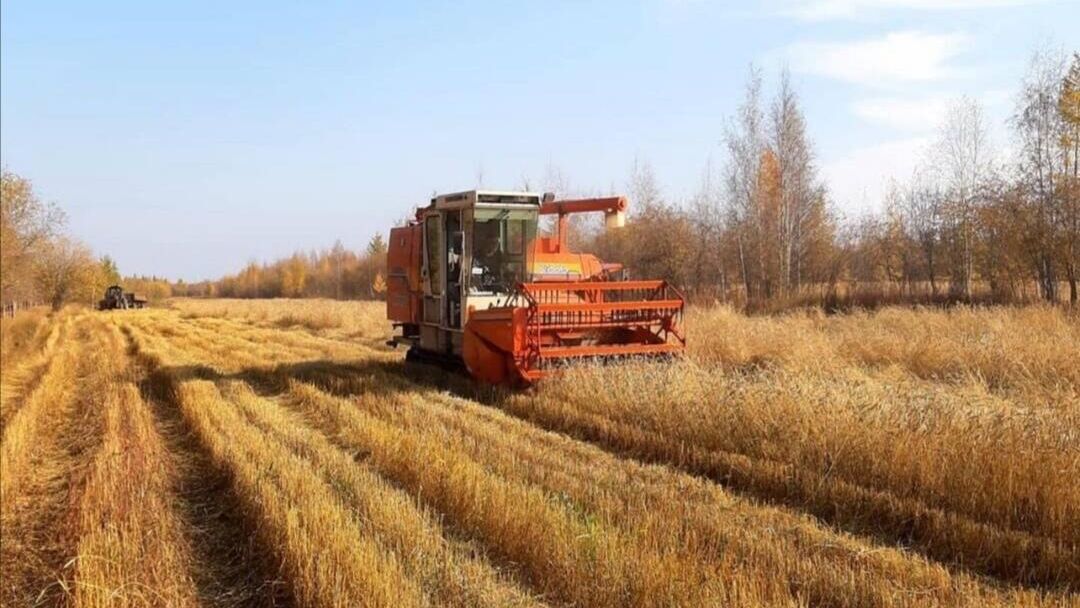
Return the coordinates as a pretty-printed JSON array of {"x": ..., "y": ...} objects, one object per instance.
[{"x": 238, "y": 453}]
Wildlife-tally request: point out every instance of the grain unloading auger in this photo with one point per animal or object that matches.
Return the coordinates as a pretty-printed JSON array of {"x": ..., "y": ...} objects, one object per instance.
[{"x": 471, "y": 282}]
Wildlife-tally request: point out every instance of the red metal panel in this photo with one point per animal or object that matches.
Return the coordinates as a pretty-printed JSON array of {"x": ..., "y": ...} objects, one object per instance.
[
  {"x": 402, "y": 270},
  {"x": 584, "y": 205}
]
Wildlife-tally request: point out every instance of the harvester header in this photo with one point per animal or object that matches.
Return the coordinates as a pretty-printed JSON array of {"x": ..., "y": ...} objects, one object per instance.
[{"x": 471, "y": 281}]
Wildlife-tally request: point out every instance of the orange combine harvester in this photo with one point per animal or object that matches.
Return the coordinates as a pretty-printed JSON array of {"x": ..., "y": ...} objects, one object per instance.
[{"x": 471, "y": 282}]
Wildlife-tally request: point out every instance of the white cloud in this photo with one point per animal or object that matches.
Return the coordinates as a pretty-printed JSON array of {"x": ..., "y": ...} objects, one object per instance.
[
  {"x": 905, "y": 114},
  {"x": 926, "y": 113},
  {"x": 894, "y": 59},
  {"x": 821, "y": 10},
  {"x": 858, "y": 181}
]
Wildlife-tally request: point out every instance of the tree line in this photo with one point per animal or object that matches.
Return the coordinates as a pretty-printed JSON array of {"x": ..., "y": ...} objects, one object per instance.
[
  {"x": 761, "y": 232},
  {"x": 39, "y": 262},
  {"x": 337, "y": 273},
  {"x": 967, "y": 226}
]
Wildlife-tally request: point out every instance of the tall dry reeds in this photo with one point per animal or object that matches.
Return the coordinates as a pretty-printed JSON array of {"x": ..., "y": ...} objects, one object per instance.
[{"x": 955, "y": 432}]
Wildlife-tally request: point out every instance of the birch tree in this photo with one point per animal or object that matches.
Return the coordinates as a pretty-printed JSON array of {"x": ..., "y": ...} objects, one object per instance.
[
  {"x": 1069, "y": 110},
  {"x": 744, "y": 140},
  {"x": 799, "y": 192},
  {"x": 1040, "y": 129},
  {"x": 962, "y": 158}
]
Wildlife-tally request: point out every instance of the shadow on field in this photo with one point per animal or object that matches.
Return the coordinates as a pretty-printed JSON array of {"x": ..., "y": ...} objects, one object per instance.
[
  {"x": 233, "y": 567},
  {"x": 947, "y": 538},
  {"x": 939, "y": 535},
  {"x": 345, "y": 379},
  {"x": 342, "y": 379}
]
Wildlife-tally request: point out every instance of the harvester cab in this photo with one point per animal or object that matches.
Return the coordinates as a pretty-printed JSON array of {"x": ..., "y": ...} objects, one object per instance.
[{"x": 470, "y": 281}]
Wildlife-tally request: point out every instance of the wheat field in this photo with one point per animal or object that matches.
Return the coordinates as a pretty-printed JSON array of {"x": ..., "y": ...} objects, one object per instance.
[{"x": 251, "y": 453}]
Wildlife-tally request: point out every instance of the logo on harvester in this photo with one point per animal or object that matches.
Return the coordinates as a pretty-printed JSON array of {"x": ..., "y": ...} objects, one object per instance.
[{"x": 557, "y": 268}]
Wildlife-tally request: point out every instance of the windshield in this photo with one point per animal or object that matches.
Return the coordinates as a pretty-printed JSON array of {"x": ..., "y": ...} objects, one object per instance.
[{"x": 501, "y": 239}]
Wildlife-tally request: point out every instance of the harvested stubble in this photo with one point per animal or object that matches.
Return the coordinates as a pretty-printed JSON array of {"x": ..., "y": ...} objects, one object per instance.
[
  {"x": 454, "y": 576},
  {"x": 22, "y": 334},
  {"x": 391, "y": 551},
  {"x": 35, "y": 459},
  {"x": 907, "y": 446},
  {"x": 901, "y": 458},
  {"x": 87, "y": 507},
  {"x": 331, "y": 317},
  {"x": 995, "y": 493},
  {"x": 326, "y": 559},
  {"x": 131, "y": 549},
  {"x": 877, "y": 423},
  {"x": 755, "y": 551}
]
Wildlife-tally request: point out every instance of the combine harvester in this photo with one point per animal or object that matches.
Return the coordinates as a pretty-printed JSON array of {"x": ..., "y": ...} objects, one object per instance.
[{"x": 470, "y": 282}]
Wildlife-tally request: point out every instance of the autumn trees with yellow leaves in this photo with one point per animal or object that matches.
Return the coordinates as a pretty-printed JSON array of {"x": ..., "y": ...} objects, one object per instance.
[
  {"x": 968, "y": 226},
  {"x": 39, "y": 262},
  {"x": 336, "y": 273},
  {"x": 761, "y": 231}
]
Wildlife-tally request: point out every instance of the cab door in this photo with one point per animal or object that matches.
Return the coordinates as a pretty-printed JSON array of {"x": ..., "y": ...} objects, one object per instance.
[
  {"x": 434, "y": 279},
  {"x": 454, "y": 239}
]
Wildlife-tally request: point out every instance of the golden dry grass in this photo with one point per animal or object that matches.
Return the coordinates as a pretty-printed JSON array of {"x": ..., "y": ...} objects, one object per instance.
[
  {"x": 34, "y": 464},
  {"x": 901, "y": 458},
  {"x": 29, "y": 343},
  {"x": 131, "y": 549},
  {"x": 21, "y": 333},
  {"x": 332, "y": 317},
  {"x": 954, "y": 433}
]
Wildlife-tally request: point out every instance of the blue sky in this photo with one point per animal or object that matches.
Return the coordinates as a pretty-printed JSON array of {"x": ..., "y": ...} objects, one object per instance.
[{"x": 185, "y": 139}]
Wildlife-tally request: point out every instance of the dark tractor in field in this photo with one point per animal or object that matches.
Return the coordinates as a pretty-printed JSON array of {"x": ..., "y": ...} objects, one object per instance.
[{"x": 116, "y": 299}]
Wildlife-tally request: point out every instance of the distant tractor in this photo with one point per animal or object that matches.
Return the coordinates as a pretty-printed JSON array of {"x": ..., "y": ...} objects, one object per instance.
[
  {"x": 116, "y": 299},
  {"x": 470, "y": 282}
]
